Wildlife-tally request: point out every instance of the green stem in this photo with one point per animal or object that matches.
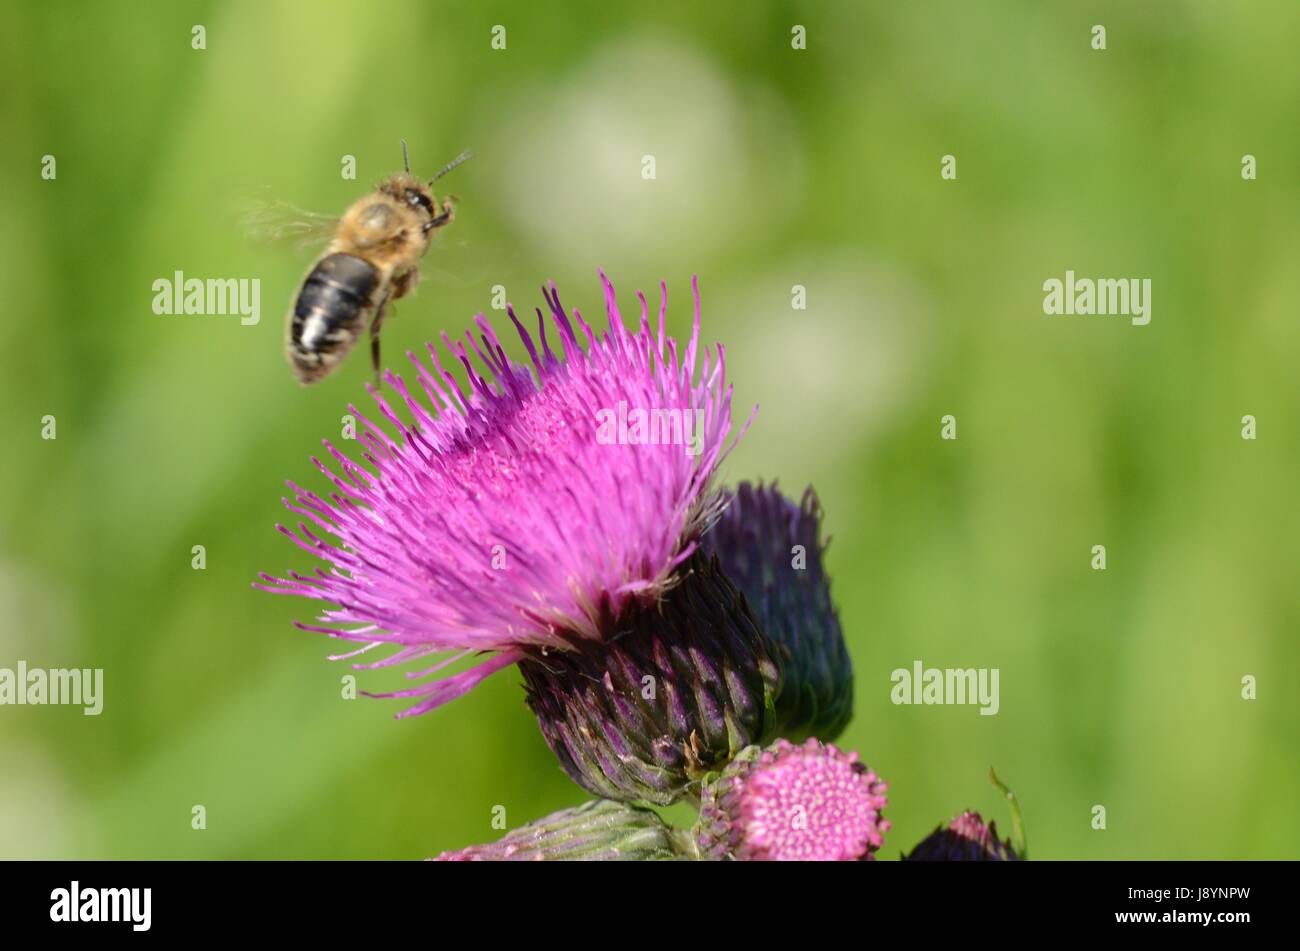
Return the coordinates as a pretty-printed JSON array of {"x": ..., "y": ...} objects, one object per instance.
[{"x": 1017, "y": 821}]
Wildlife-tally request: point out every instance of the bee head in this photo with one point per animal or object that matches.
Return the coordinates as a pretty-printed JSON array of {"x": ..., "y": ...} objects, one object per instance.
[{"x": 410, "y": 191}]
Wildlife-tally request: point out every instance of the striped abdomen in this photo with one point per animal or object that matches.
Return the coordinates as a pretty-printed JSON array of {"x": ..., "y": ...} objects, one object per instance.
[{"x": 330, "y": 313}]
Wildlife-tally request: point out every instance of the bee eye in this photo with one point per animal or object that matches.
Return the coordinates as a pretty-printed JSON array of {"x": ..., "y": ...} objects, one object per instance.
[{"x": 419, "y": 200}]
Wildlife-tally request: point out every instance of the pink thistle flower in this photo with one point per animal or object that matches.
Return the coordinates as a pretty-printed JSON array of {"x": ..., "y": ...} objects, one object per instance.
[
  {"x": 810, "y": 802},
  {"x": 499, "y": 523}
]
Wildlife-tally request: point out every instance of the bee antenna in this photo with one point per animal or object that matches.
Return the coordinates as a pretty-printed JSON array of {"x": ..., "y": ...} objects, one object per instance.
[
  {"x": 464, "y": 156},
  {"x": 406, "y": 159}
]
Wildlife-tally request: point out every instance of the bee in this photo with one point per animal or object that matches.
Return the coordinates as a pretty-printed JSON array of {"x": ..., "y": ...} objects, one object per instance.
[{"x": 372, "y": 261}]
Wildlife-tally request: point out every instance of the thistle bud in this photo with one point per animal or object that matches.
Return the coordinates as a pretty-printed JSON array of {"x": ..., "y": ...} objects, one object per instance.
[
  {"x": 770, "y": 548},
  {"x": 809, "y": 802},
  {"x": 599, "y": 830},
  {"x": 965, "y": 839}
]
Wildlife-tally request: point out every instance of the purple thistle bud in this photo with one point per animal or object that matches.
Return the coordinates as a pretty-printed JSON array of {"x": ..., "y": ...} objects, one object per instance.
[
  {"x": 810, "y": 802},
  {"x": 770, "y": 547},
  {"x": 599, "y": 830},
  {"x": 965, "y": 839}
]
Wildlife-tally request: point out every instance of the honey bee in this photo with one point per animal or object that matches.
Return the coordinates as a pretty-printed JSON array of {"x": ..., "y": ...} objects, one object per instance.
[{"x": 372, "y": 261}]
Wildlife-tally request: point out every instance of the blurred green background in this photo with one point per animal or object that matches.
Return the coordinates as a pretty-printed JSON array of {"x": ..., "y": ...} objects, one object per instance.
[{"x": 775, "y": 167}]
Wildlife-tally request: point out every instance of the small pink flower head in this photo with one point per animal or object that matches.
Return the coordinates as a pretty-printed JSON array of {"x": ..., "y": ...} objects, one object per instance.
[
  {"x": 807, "y": 802},
  {"x": 523, "y": 515}
]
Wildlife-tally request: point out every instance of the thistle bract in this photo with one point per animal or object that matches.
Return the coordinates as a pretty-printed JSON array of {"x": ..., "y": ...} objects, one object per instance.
[{"x": 684, "y": 685}]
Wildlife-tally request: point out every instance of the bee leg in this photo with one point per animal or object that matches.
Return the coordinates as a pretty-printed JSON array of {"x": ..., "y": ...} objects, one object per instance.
[
  {"x": 404, "y": 283},
  {"x": 447, "y": 216},
  {"x": 375, "y": 325}
]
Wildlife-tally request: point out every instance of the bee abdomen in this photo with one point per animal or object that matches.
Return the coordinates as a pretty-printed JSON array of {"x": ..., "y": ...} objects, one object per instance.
[{"x": 329, "y": 313}]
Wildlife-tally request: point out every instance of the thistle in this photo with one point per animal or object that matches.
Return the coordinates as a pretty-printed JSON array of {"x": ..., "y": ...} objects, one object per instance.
[
  {"x": 965, "y": 839},
  {"x": 513, "y": 525},
  {"x": 599, "y": 830},
  {"x": 682, "y": 687},
  {"x": 809, "y": 802},
  {"x": 770, "y": 547}
]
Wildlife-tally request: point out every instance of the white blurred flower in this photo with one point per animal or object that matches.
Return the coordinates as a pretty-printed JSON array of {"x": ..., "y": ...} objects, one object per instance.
[{"x": 571, "y": 158}]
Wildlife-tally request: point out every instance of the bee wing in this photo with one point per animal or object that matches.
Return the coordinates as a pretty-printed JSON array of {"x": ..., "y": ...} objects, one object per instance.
[{"x": 271, "y": 221}]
